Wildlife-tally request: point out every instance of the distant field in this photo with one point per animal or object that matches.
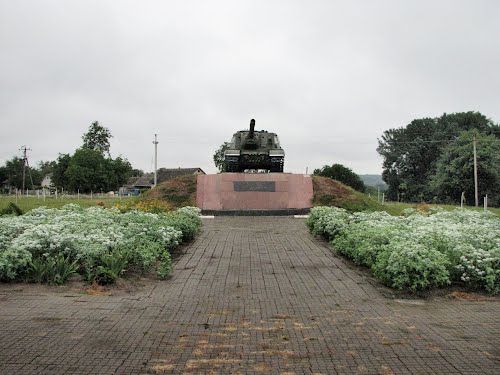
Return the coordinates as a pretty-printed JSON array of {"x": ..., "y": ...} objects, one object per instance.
[{"x": 28, "y": 203}]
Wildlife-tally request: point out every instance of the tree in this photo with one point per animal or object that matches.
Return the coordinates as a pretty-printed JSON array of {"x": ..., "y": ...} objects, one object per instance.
[
  {"x": 11, "y": 174},
  {"x": 97, "y": 138},
  {"x": 58, "y": 173},
  {"x": 219, "y": 156},
  {"x": 88, "y": 170},
  {"x": 13, "y": 171},
  {"x": 119, "y": 170},
  {"x": 343, "y": 174},
  {"x": 410, "y": 153},
  {"x": 45, "y": 167},
  {"x": 455, "y": 169},
  {"x": 136, "y": 173}
]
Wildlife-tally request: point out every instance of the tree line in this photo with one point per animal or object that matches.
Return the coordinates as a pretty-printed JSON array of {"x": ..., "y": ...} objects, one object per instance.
[
  {"x": 431, "y": 159},
  {"x": 89, "y": 168}
]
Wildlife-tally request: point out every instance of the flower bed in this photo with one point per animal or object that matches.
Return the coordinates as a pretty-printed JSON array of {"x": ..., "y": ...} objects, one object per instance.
[
  {"x": 417, "y": 251},
  {"x": 48, "y": 245}
]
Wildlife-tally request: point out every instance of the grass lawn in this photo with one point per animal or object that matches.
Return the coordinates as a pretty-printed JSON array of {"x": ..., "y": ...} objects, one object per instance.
[{"x": 28, "y": 203}]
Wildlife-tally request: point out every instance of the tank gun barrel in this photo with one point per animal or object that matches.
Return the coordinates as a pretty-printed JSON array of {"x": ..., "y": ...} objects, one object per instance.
[{"x": 252, "y": 129}]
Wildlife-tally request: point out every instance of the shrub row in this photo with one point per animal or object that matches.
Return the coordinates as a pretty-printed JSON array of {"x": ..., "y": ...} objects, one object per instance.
[
  {"x": 417, "y": 251},
  {"x": 49, "y": 245}
]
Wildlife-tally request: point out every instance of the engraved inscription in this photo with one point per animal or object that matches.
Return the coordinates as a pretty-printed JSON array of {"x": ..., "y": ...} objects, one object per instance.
[{"x": 254, "y": 186}]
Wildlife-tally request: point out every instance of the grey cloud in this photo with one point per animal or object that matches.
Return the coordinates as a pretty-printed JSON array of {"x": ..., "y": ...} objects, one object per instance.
[{"x": 328, "y": 76}]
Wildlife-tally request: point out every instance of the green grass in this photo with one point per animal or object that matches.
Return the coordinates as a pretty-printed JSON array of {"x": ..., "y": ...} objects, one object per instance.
[
  {"x": 328, "y": 192},
  {"x": 396, "y": 208},
  {"x": 28, "y": 203}
]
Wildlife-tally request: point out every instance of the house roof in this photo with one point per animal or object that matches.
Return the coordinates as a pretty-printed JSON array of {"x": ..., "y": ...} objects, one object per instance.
[{"x": 165, "y": 174}]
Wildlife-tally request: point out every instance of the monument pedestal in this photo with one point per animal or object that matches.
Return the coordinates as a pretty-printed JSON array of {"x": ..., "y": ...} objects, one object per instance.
[{"x": 254, "y": 193}]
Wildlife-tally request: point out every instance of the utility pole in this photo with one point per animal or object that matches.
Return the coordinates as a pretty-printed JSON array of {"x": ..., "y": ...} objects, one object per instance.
[
  {"x": 475, "y": 171},
  {"x": 25, "y": 150},
  {"x": 156, "y": 160}
]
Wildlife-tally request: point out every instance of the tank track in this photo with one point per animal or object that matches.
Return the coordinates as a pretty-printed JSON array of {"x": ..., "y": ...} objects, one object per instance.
[
  {"x": 277, "y": 164},
  {"x": 231, "y": 164}
]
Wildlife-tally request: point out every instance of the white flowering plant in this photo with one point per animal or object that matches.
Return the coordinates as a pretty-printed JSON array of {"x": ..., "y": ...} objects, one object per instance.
[
  {"x": 96, "y": 238},
  {"x": 417, "y": 251}
]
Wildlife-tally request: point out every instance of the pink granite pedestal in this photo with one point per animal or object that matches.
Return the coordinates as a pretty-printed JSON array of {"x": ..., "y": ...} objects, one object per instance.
[{"x": 264, "y": 191}]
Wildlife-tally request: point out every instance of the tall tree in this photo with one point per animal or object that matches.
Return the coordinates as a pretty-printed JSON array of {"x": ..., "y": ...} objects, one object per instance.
[
  {"x": 343, "y": 174},
  {"x": 97, "y": 138},
  {"x": 410, "y": 153},
  {"x": 455, "y": 169}
]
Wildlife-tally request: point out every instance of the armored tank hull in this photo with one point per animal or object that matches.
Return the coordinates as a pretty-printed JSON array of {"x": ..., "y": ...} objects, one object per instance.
[{"x": 251, "y": 149}]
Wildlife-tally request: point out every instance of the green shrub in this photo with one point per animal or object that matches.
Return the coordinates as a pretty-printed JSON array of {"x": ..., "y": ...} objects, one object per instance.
[
  {"x": 418, "y": 250},
  {"x": 13, "y": 263},
  {"x": 101, "y": 243},
  {"x": 409, "y": 265},
  {"x": 361, "y": 243},
  {"x": 165, "y": 266},
  {"x": 480, "y": 268},
  {"x": 187, "y": 220},
  {"x": 327, "y": 221}
]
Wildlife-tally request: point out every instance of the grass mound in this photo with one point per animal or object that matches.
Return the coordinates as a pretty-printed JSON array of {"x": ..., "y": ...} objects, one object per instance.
[
  {"x": 178, "y": 192},
  {"x": 328, "y": 192}
]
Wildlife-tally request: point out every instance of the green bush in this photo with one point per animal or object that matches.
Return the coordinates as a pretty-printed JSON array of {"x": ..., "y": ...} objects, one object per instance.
[
  {"x": 327, "y": 222},
  {"x": 165, "y": 266},
  {"x": 13, "y": 263},
  {"x": 100, "y": 243},
  {"x": 187, "y": 220},
  {"x": 417, "y": 251},
  {"x": 409, "y": 265}
]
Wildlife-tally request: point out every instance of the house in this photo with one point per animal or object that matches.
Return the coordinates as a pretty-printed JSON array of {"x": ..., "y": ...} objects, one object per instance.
[
  {"x": 146, "y": 181},
  {"x": 47, "y": 181}
]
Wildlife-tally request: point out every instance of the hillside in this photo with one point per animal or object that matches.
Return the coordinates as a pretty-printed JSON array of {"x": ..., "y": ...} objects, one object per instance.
[
  {"x": 373, "y": 180},
  {"x": 177, "y": 192},
  {"x": 328, "y": 192}
]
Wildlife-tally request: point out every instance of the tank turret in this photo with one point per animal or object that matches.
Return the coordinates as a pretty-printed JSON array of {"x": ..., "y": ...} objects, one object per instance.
[{"x": 252, "y": 149}]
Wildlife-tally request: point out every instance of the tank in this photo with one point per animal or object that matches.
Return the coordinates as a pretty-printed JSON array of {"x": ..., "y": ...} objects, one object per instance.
[{"x": 253, "y": 149}]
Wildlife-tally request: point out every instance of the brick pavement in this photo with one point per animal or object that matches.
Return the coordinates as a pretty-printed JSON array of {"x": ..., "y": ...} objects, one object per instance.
[{"x": 251, "y": 295}]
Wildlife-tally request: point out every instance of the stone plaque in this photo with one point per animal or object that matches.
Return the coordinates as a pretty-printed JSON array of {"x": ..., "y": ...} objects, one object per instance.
[{"x": 254, "y": 186}]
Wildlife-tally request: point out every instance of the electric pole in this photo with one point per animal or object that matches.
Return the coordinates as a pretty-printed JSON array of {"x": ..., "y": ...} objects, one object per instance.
[
  {"x": 156, "y": 160},
  {"x": 25, "y": 150},
  {"x": 475, "y": 171}
]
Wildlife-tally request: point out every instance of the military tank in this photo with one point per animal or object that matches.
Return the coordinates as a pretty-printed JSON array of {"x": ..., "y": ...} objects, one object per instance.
[{"x": 256, "y": 150}]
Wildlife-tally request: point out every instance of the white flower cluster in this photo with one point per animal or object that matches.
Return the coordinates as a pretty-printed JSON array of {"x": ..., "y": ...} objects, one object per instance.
[
  {"x": 81, "y": 234},
  {"x": 468, "y": 240}
]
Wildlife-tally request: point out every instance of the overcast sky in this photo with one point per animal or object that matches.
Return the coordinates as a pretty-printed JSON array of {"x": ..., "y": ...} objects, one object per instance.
[{"x": 328, "y": 76}]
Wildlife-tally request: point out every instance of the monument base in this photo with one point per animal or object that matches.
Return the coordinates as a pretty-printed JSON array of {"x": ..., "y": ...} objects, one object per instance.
[{"x": 254, "y": 194}]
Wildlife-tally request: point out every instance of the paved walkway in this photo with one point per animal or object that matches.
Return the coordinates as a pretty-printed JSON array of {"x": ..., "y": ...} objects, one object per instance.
[{"x": 250, "y": 295}]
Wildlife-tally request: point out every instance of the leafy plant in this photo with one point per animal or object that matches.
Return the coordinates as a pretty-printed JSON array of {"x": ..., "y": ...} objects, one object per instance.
[
  {"x": 108, "y": 268},
  {"x": 52, "y": 270},
  {"x": 165, "y": 267},
  {"x": 102, "y": 242},
  {"x": 419, "y": 250},
  {"x": 410, "y": 265},
  {"x": 11, "y": 209}
]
